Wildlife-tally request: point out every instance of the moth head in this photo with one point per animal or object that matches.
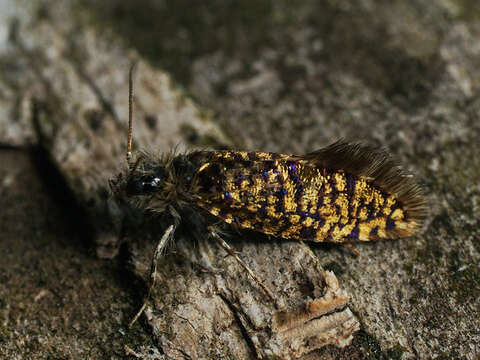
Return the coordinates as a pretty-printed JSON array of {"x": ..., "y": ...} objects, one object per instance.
[{"x": 145, "y": 178}]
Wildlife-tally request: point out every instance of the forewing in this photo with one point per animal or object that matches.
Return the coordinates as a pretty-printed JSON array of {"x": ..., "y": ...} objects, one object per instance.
[
  {"x": 310, "y": 197},
  {"x": 263, "y": 192}
]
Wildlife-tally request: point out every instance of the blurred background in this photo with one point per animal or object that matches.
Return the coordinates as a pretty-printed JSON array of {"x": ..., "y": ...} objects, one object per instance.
[{"x": 282, "y": 76}]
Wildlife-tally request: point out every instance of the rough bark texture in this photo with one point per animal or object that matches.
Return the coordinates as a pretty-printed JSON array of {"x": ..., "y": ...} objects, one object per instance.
[
  {"x": 278, "y": 77},
  {"x": 205, "y": 307}
]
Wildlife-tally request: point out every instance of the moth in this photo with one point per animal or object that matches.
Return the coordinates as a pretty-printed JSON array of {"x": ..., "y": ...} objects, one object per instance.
[{"x": 346, "y": 192}]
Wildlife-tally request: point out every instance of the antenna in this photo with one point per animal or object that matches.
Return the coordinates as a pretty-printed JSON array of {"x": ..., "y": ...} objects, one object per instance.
[{"x": 130, "y": 113}]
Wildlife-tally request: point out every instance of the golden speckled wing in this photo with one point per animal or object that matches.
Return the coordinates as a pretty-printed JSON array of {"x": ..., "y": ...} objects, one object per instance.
[{"x": 345, "y": 192}]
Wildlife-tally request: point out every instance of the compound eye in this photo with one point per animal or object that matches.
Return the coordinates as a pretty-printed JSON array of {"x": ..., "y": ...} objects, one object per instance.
[
  {"x": 142, "y": 186},
  {"x": 151, "y": 185}
]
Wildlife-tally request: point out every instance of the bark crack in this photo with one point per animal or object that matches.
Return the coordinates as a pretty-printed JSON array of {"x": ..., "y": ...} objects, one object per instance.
[{"x": 243, "y": 329}]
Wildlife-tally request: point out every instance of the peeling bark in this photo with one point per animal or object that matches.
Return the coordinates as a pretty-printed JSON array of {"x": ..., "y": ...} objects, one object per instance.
[{"x": 232, "y": 315}]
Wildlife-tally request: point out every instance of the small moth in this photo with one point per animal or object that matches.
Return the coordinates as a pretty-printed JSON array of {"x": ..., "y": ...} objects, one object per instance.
[{"x": 342, "y": 193}]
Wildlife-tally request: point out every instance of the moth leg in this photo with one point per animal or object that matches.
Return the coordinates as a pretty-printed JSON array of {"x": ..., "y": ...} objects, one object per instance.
[
  {"x": 229, "y": 250},
  {"x": 153, "y": 269}
]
